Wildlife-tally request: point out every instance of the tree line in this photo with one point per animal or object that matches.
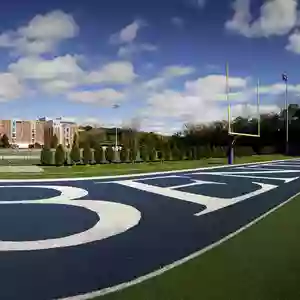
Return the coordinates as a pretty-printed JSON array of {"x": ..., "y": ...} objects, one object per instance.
[{"x": 195, "y": 141}]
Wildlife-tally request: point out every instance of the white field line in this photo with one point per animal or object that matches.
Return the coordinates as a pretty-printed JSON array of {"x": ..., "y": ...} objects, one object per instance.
[
  {"x": 286, "y": 180},
  {"x": 285, "y": 165},
  {"x": 250, "y": 169},
  {"x": 134, "y": 175}
]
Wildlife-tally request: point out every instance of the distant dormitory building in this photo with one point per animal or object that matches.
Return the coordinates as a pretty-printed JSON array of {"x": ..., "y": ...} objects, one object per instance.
[
  {"x": 24, "y": 134},
  {"x": 64, "y": 130}
]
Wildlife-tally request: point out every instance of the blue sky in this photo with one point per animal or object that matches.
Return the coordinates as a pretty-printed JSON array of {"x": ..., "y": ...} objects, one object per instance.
[{"x": 162, "y": 61}]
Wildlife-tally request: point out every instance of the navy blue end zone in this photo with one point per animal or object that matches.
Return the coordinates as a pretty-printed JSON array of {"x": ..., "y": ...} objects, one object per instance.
[{"x": 167, "y": 231}]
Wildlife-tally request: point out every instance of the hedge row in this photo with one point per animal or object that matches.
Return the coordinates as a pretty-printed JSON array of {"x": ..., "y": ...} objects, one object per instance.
[{"x": 60, "y": 156}]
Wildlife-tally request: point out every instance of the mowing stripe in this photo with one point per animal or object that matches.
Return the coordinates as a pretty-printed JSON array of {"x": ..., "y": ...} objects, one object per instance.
[
  {"x": 137, "y": 174},
  {"x": 122, "y": 286}
]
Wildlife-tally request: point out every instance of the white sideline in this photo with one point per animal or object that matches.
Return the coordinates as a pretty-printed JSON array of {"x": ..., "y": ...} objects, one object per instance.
[
  {"x": 137, "y": 174},
  {"x": 177, "y": 263}
]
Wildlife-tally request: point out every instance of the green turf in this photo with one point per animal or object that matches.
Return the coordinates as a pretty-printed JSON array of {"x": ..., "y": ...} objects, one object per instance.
[
  {"x": 261, "y": 263},
  {"x": 120, "y": 169}
]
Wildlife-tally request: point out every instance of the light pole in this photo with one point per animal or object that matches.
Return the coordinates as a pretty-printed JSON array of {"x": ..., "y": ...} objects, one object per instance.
[
  {"x": 285, "y": 79},
  {"x": 116, "y": 156},
  {"x": 116, "y": 138}
]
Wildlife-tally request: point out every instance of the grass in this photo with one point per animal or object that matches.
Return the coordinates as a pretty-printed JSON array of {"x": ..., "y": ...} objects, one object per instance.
[
  {"x": 121, "y": 169},
  {"x": 261, "y": 263}
]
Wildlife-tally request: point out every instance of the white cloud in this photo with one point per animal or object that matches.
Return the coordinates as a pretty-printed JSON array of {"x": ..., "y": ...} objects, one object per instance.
[
  {"x": 250, "y": 110},
  {"x": 166, "y": 75},
  {"x": 204, "y": 100},
  {"x": 55, "y": 25},
  {"x": 128, "y": 34},
  {"x": 64, "y": 73},
  {"x": 131, "y": 49},
  {"x": 177, "y": 21},
  {"x": 58, "y": 86},
  {"x": 155, "y": 83},
  {"x": 42, "y": 34},
  {"x": 213, "y": 87},
  {"x": 121, "y": 72},
  {"x": 277, "y": 17},
  {"x": 37, "y": 68},
  {"x": 294, "y": 42},
  {"x": 104, "y": 97},
  {"x": 10, "y": 87},
  {"x": 177, "y": 71},
  {"x": 201, "y": 100},
  {"x": 279, "y": 88}
]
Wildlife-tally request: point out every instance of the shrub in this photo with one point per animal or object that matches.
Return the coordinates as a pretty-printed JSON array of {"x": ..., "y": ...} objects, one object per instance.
[
  {"x": 199, "y": 153},
  {"x": 176, "y": 153},
  {"x": 144, "y": 153},
  {"x": 75, "y": 154},
  {"x": 87, "y": 154},
  {"x": 207, "y": 153},
  {"x": 98, "y": 155},
  {"x": 5, "y": 141},
  {"x": 46, "y": 157},
  {"x": 109, "y": 154},
  {"x": 189, "y": 154},
  {"x": 123, "y": 154},
  {"x": 160, "y": 155},
  {"x": 167, "y": 153},
  {"x": 218, "y": 152},
  {"x": 133, "y": 154},
  {"x": 59, "y": 155},
  {"x": 152, "y": 154},
  {"x": 243, "y": 151},
  {"x": 268, "y": 150}
]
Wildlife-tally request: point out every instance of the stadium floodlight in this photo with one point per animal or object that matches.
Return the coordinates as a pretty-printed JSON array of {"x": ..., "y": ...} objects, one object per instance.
[{"x": 230, "y": 131}]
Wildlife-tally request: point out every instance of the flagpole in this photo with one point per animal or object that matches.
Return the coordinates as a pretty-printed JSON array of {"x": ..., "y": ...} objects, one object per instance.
[
  {"x": 285, "y": 79},
  {"x": 287, "y": 118}
]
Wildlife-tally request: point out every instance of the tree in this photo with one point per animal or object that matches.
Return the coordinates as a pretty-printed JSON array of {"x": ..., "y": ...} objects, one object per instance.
[
  {"x": 59, "y": 155},
  {"x": 109, "y": 154},
  {"x": 176, "y": 153},
  {"x": 144, "y": 153},
  {"x": 98, "y": 154},
  {"x": 189, "y": 153},
  {"x": 54, "y": 142},
  {"x": 87, "y": 128},
  {"x": 46, "y": 157},
  {"x": 5, "y": 141},
  {"x": 131, "y": 137},
  {"x": 87, "y": 154},
  {"x": 75, "y": 151},
  {"x": 37, "y": 145},
  {"x": 167, "y": 152},
  {"x": 152, "y": 154},
  {"x": 123, "y": 154}
]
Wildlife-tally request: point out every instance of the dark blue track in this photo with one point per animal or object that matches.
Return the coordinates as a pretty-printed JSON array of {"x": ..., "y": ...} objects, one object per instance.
[{"x": 168, "y": 231}]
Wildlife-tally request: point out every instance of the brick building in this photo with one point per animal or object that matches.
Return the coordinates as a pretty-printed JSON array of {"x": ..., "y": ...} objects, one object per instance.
[
  {"x": 64, "y": 130},
  {"x": 25, "y": 133}
]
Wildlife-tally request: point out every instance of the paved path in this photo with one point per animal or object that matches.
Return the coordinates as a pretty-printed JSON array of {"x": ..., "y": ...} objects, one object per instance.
[{"x": 65, "y": 238}]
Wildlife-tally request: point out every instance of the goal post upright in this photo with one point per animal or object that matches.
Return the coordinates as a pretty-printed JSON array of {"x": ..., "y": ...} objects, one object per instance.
[{"x": 234, "y": 135}]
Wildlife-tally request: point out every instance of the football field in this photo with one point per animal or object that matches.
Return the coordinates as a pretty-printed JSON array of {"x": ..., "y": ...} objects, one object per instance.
[{"x": 82, "y": 238}]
